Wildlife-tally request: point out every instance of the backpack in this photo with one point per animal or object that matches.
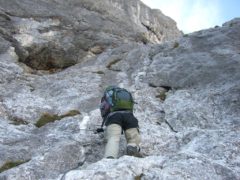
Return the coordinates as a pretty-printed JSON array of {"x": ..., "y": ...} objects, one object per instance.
[{"x": 115, "y": 99}]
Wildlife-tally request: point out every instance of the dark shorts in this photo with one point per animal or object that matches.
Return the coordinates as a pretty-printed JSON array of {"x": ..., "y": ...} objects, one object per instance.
[{"x": 125, "y": 119}]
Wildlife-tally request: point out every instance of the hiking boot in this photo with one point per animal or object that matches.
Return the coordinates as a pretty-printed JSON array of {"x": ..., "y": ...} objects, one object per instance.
[{"x": 133, "y": 151}]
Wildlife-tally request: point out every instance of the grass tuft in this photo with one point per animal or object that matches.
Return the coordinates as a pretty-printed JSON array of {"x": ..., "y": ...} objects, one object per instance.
[
  {"x": 70, "y": 113},
  {"x": 11, "y": 164},
  {"x": 138, "y": 177},
  {"x": 99, "y": 72},
  {"x": 162, "y": 95},
  {"x": 176, "y": 45},
  {"x": 47, "y": 118}
]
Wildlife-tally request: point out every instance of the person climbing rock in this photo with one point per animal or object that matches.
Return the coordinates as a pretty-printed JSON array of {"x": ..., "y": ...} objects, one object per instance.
[{"x": 117, "y": 113}]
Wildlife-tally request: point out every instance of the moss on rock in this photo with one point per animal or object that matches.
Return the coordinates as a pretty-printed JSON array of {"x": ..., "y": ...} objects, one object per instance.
[
  {"x": 70, "y": 113},
  {"x": 47, "y": 118},
  {"x": 138, "y": 177},
  {"x": 11, "y": 164},
  {"x": 162, "y": 95},
  {"x": 176, "y": 45}
]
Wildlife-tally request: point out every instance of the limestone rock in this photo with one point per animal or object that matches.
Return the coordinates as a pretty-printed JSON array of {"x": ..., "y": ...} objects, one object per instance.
[
  {"x": 63, "y": 36},
  {"x": 187, "y": 92},
  {"x": 194, "y": 131}
]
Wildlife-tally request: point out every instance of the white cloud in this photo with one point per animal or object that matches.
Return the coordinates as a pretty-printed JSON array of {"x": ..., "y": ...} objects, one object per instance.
[{"x": 190, "y": 15}]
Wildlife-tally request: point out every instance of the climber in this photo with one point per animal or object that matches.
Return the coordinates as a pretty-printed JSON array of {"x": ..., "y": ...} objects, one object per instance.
[{"x": 117, "y": 113}]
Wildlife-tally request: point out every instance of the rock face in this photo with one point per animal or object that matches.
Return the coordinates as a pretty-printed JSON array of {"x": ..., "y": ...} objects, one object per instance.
[
  {"x": 187, "y": 92},
  {"x": 51, "y": 34}
]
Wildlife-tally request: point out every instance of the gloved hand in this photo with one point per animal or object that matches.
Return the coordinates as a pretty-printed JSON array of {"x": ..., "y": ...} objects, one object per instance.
[{"x": 99, "y": 130}]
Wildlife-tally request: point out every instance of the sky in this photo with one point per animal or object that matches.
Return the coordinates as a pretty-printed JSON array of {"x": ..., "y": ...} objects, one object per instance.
[{"x": 194, "y": 15}]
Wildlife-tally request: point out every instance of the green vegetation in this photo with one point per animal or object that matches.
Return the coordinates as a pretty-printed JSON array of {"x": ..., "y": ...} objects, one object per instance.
[
  {"x": 71, "y": 113},
  {"x": 11, "y": 164},
  {"x": 138, "y": 177},
  {"x": 162, "y": 95},
  {"x": 99, "y": 72},
  {"x": 176, "y": 45},
  {"x": 47, "y": 118}
]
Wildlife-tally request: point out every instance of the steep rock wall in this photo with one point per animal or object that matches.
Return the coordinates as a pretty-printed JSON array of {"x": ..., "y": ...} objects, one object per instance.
[
  {"x": 50, "y": 35},
  {"x": 188, "y": 105}
]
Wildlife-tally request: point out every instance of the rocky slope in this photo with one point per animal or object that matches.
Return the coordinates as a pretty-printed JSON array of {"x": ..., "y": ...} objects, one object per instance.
[{"x": 187, "y": 92}]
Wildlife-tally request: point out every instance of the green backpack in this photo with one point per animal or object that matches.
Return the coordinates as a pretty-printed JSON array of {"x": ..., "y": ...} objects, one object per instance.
[{"x": 118, "y": 99}]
